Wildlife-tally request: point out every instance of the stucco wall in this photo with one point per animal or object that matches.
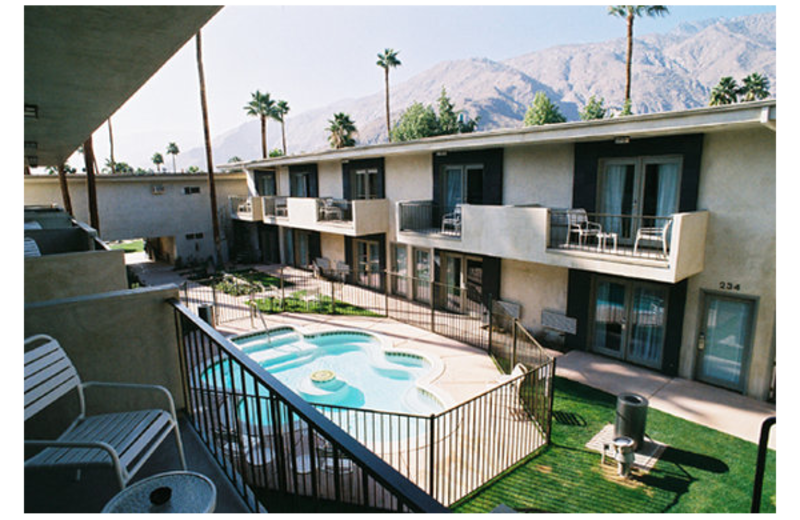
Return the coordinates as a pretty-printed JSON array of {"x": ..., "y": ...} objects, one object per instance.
[
  {"x": 74, "y": 274},
  {"x": 536, "y": 287},
  {"x": 538, "y": 175}
]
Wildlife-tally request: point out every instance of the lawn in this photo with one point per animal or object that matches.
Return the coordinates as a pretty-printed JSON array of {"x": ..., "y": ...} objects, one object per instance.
[
  {"x": 319, "y": 304},
  {"x": 702, "y": 471},
  {"x": 129, "y": 246}
]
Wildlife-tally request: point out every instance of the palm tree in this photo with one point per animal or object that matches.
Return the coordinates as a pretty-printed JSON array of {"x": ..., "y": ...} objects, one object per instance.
[
  {"x": 725, "y": 92},
  {"x": 263, "y": 107},
  {"x": 629, "y": 13},
  {"x": 212, "y": 191},
  {"x": 158, "y": 160},
  {"x": 342, "y": 129},
  {"x": 755, "y": 86},
  {"x": 281, "y": 109},
  {"x": 388, "y": 60},
  {"x": 172, "y": 149},
  {"x": 111, "y": 147}
]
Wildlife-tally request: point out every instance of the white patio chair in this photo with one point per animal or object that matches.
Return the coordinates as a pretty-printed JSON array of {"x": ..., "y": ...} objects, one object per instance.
[
  {"x": 123, "y": 440},
  {"x": 579, "y": 224},
  {"x": 452, "y": 220},
  {"x": 31, "y": 248},
  {"x": 654, "y": 234}
]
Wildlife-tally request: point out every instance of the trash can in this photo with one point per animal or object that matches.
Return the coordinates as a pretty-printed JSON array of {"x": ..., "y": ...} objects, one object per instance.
[
  {"x": 631, "y": 418},
  {"x": 206, "y": 313}
]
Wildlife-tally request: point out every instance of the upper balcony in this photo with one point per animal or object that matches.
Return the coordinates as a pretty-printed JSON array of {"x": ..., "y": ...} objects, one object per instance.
[
  {"x": 538, "y": 234},
  {"x": 326, "y": 215}
]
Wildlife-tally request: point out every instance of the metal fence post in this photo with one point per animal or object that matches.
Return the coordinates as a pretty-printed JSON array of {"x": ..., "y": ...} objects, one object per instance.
[
  {"x": 214, "y": 300},
  {"x": 431, "y": 454},
  {"x": 333, "y": 297},
  {"x": 513, "y": 344},
  {"x": 433, "y": 306},
  {"x": 283, "y": 294},
  {"x": 491, "y": 325},
  {"x": 386, "y": 279}
]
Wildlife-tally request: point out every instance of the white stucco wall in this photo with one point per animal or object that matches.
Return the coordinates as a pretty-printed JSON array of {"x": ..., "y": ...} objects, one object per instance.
[{"x": 538, "y": 175}]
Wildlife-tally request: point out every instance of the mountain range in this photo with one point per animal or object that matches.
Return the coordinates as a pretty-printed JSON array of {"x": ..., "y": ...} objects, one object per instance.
[{"x": 671, "y": 71}]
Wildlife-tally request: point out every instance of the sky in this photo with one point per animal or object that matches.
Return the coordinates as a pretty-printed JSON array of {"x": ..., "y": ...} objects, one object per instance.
[{"x": 312, "y": 56}]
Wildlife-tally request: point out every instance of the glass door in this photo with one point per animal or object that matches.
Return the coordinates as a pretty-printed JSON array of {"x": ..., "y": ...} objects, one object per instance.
[
  {"x": 368, "y": 266},
  {"x": 400, "y": 268},
  {"x": 454, "y": 181},
  {"x": 724, "y": 341},
  {"x": 366, "y": 184},
  {"x": 609, "y": 318},
  {"x": 452, "y": 276},
  {"x": 630, "y": 321},
  {"x": 633, "y": 191},
  {"x": 422, "y": 275}
]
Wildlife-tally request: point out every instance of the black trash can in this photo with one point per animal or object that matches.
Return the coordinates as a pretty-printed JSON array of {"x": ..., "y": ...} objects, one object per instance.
[{"x": 631, "y": 418}]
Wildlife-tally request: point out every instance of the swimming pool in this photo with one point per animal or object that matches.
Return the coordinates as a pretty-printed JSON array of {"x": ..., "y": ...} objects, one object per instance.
[{"x": 347, "y": 368}]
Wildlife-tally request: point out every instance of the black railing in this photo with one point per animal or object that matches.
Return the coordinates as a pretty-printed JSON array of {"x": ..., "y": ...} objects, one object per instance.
[
  {"x": 761, "y": 461},
  {"x": 429, "y": 218},
  {"x": 280, "y": 453},
  {"x": 274, "y": 206},
  {"x": 620, "y": 235},
  {"x": 450, "y": 453}
]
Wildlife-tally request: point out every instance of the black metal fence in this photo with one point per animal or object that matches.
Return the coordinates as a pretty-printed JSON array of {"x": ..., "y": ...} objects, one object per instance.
[
  {"x": 279, "y": 452},
  {"x": 448, "y": 454},
  {"x": 428, "y": 217}
]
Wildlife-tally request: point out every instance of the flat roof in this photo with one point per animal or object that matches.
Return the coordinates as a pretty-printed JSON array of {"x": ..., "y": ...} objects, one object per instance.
[{"x": 698, "y": 120}]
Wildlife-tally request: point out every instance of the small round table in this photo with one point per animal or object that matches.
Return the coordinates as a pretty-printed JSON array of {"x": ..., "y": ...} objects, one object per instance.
[{"x": 190, "y": 493}]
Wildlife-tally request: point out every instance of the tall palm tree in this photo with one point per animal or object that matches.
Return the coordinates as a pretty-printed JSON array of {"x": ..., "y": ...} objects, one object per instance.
[
  {"x": 341, "y": 128},
  {"x": 212, "y": 191},
  {"x": 388, "y": 60},
  {"x": 172, "y": 149},
  {"x": 725, "y": 92},
  {"x": 111, "y": 147},
  {"x": 629, "y": 13},
  {"x": 281, "y": 109},
  {"x": 263, "y": 107}
]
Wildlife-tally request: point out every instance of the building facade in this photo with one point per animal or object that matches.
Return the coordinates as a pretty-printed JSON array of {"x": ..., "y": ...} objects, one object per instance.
[
  {"x": 649, "y": 239},
  {"x": 172, "y": 211}
]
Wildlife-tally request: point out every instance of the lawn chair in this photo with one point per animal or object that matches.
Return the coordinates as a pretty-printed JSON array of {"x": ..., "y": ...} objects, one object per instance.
[
  {"x": 579, "y": 224},
  {"x": 124, "y": 440},
  {"x": 453, "y": 221},
  {"x": 31, "y": 248},
  {"x": 653, "y": 234}
]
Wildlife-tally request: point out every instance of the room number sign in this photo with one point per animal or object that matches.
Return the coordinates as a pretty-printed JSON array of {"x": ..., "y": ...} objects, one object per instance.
[{"x": 730, "y": 286}]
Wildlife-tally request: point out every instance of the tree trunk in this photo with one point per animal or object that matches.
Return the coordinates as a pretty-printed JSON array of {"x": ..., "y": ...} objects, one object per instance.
[
  {"x": 388, "y": 117},
  {"x": 212, "y": 192},
  {"x": 111, "y": 147},
  {"x": 62, "y": 181},
  {"x": 264, "y": 137},
  {"x": 91, "y": 188},
  {"x": 283, "y": 136},
  {"x": 629, "y": 63}
]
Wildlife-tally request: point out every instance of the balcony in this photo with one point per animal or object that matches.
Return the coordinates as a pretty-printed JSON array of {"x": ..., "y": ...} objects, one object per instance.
[
  {"x": 146, "y": 336},
  {"x": 245, "y": 208},
  {"x": 327, "y": 215},
  {"x": 537, "y": 234}
]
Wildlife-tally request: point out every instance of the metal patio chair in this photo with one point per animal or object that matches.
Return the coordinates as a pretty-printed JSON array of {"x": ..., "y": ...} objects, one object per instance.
[
  {"x": 579, "y": 224},
  {"x": 653, "y": 234},
  {"x": 122, "y": 440},
  {"x": 453, "y": 221}
]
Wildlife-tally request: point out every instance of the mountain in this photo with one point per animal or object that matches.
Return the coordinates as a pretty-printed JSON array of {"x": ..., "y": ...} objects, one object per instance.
[{"x": 671, "y": 71}]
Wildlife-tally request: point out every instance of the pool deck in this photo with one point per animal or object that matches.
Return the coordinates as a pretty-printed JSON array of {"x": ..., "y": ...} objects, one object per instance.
[{"x": 467, "y": 370}]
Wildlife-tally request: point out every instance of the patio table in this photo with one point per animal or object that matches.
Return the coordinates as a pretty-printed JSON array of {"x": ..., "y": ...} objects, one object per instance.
[{"x": 172, "y": 492}]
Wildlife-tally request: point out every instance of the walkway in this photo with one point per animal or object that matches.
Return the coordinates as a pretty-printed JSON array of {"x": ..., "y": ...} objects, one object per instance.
[{"x": 700, "y": 403}]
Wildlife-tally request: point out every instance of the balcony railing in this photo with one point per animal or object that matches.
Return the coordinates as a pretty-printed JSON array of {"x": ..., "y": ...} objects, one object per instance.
[
  {"x": 429, "y": 218},
  {"x": 241, "y": 207},
  {"x": 334, "y": 210},
  {"x": 621, "y": 235},
  {"x": 274, "y": 206},
  {"x": 274, "y": 446}
]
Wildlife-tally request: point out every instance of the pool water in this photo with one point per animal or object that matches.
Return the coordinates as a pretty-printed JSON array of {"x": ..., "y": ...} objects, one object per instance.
[{"x": 364, "y": 375}]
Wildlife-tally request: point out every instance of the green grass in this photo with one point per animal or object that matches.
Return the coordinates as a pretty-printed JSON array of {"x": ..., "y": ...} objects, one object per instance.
[
  {"x": 317, "y": 305},
  {"x": 129, "y": 246},
  {"x": 702, "y": 471}
]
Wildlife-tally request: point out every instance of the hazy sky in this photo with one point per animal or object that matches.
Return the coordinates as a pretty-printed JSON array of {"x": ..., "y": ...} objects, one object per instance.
[{"x": 312, "y": 56}]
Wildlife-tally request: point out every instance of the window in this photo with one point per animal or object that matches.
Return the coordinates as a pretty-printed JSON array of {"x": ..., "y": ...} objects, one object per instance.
[
  {"x": 191, "y": 190},
  {"x": 462, "y": 185},
  {"x": 194, "y": 236},
  {"x": 366, "y": 183}
]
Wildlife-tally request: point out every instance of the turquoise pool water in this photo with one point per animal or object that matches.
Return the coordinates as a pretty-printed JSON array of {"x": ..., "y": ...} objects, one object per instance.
[{"x": 360, "y": 374}]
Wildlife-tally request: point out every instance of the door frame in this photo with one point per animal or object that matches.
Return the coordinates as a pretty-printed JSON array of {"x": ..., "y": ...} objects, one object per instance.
[
  {"x": 629, "y": 285},
  {"x": 702, "y": 321}
]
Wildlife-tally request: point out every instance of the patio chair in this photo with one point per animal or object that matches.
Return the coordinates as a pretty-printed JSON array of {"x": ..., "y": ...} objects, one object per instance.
[
  {"x": 322, "y": 266},
  {"x": 654, "y": 234},
  {"x": 124, "y": 440},
  {"x": 31, "y": 248},
  {"x": 579, "y": 224},
  {"x": 452, "y": 220}
]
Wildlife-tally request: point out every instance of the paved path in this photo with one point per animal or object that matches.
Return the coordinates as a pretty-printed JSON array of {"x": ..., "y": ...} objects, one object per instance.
[{"x": 716, "y": 408}]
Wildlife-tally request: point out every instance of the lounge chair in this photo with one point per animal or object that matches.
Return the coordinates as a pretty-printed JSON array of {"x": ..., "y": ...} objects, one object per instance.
[
  {"x": 653, "y": 234},
  {"x": 123, "y": 440}
]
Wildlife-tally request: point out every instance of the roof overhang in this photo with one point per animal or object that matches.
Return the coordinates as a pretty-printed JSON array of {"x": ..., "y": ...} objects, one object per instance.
[
  {"x": 84, "y": 62},
  {"x": 700, "y": 120}
]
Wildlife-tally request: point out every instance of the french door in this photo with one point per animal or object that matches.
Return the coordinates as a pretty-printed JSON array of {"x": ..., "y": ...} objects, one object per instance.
[
  {"x": 632, "y": 191},
  {"x": 368, "y": 263},
  {"x": 629, "y": 321},
  {"x": 462, "y": 184},
  {"x": 725, "y": 340}
]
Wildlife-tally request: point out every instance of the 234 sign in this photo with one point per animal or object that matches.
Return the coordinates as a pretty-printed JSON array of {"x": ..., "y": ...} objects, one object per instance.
[{"x": 730, "y": 286}]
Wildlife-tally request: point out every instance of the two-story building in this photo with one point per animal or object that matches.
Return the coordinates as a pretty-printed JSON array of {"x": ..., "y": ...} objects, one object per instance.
[{"x": 649, "y": 239}]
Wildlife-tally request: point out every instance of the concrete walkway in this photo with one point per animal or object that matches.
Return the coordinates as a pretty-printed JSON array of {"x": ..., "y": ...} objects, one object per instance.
[{"x": 700, "y": 403}]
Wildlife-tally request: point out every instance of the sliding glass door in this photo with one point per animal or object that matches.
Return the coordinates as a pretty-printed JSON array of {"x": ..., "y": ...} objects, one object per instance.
[
  {"x": 632, "y": 191},
  {"x": 629, "y": 321},
  {"x": 368, "y": 265}
]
